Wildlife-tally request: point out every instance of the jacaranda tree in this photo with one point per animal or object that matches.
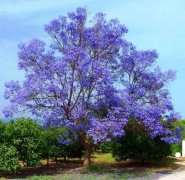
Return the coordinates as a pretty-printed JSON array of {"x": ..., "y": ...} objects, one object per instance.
[{"x": 91, "y": 81}]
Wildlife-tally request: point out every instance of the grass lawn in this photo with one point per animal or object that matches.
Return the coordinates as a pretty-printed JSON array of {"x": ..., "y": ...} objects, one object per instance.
[
  {"x": 105, "y": 176},
  {"x": 103, "y": 167}
]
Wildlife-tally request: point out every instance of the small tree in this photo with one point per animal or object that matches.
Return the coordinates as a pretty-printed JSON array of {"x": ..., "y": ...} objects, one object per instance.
[
  {"x": 50, "y": 147},
  {"x": 53, "y": 145},
  {"x": 48, "y": 144},
  {"x": 25, "y": 136}
]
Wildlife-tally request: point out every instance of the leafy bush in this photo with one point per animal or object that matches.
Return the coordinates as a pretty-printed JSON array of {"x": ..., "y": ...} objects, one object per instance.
[
  {"x": 25, "y": 136},
  {"x": 105, "y": 147},
  {"x": 176, "y": 147},
  {"x": 52, "y": 149},
  {"x": 33, "y": 143},
  {"x": 2, "y": 132},
  {"x": 9, "y": 161},
  {"x": 137, "y": 144}
]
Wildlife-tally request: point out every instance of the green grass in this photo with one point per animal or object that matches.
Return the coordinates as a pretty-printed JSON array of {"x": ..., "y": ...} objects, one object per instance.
[
  {"x": 102, "y": 168},
  {"x": 102, "y": 158},
  {"x": 95, "y": 176}
]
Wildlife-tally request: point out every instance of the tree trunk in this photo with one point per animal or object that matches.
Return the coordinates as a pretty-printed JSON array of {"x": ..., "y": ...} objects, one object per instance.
[
  {"x": 65, "y": 159},
  {"x": 47, "y": 161},
  {"x": 88, "y": 146},
  {"x": 56, "y": 160},
  {"x": 88, "y": 151}
]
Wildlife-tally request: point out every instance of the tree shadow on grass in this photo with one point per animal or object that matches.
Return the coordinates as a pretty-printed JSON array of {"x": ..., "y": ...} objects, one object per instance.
[
  {"x": 99, "y": 167},
  {"x": 165, "y": 166},
  {"x": 53, "y": 169}
]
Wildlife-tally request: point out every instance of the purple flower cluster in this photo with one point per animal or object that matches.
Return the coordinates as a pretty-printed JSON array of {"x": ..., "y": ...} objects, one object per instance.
[
  {"x": 102, "y": 130},
  {"x": 92, "y": 81}
]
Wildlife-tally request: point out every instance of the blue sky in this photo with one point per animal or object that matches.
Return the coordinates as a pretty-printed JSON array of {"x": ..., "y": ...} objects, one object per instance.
[{"x": 152, "y": 24}]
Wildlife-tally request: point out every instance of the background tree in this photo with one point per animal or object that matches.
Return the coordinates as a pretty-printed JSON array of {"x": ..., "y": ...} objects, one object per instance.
[
  {"x": 51, "y": 148},
  {"x": 90, "y": 68},
  {"x": 25, "y": 136},
  {"x": 138, "y": 145}
]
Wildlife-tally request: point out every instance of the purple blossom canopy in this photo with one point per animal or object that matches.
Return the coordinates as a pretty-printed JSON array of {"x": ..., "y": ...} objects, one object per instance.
[{"x": 92, "y": 81}]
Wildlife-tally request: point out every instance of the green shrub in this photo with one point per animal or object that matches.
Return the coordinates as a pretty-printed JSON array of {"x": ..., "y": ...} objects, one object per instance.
[
  {"x": 52, "y": 149},
  {"x": 33, "y": 143},
  {"x": 2, "y": 132},
  {"x": 137, "y": 144},
  {"x": 33, "y": 159},
  {"x": 105, "y": 147},
  {"x": 176, "y": 147},
  {"x": 25, "y": 136},
  {"x": 9, "y": 161}
]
